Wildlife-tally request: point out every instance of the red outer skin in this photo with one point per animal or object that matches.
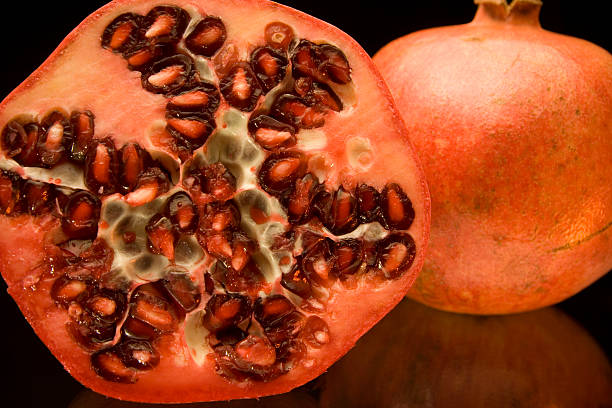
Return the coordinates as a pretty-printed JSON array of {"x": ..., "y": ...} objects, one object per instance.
[
  {"x": 512, "y": 123},
  {"x": 183, "y": 381}
]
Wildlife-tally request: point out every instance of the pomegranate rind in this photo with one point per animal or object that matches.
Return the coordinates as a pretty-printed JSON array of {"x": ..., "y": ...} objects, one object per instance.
[
  {"x": 512, "y": 124},
  {"x": 120, "y": 98}
]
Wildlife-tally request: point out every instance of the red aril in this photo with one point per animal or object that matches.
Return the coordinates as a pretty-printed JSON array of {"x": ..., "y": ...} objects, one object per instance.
[
  {"x": 192, "y": 200},
  {"x": 512, "y": 124}
]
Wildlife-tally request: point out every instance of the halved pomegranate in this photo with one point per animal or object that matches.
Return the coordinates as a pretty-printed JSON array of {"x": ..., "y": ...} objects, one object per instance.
[{"x": 218, "y": 208}]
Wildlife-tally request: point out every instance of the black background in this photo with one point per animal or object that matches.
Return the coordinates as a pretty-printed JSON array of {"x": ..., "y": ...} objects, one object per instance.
[{"x": 31, "y": 33}]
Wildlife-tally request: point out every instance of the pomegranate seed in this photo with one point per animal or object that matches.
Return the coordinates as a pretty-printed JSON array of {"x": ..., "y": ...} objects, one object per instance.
[
  {"x": 219, "y": 246},
  {"x": 397, "y": 211},
  {"x": 14, "y": 138},
  {"x": 229, "y": 336},
  {"x": 107, "y": 305},
  {"x": 242, "y": 248},
  {"x": 138, "y": 329},
  {"x": 240, "y": 87},
  {"x": 272, "y": 308},
  {"x": 66, "y": 290},
  {"x": 338, "y": 212},
  {"x": 323, "y": 97},
  {"x": 182, "y": 289},
  {"x": 165, "y": 24},
  {"x": 151, "y": 307},
  {"x": 9, "y": 192},
  {"x": 297, "y": 112},
  {"x": 81, "y": 215},
  {"x": 121, "y": 33},
  {"x": 161, "y": 236},
  {"x": 56, "y": 137},
  {"x": 219, "y": 182},
  {"x": 305, "y": 60},
  {"x": 298, "y": 202},
  {"x": 134, "y": 159},
  {"x": 38, "y": 197},
  {"x": 280, "y": 171},
  {"x": 249, "y": 279},
  {"x": 278, "y": 35},
  {"x": 142, "y": 55},
  {"x": 101, "y": 167},
  {"x": 349, "y": 256},
  {"x": 83, "y": 129},
  {"x": 87, "y": 329},
  {"x": 269, "y": 66},
  {"x": 317, "y": 262},
  {"x": 203, "y": 97},
  {"x": 108, "y": 365},
  {"x": 334, "y": 64},
  {"x": 219, "y": 217},
  {"x": 207, "y": 37},
  {"x": 168, "y": 75},
  {"x": 230, "y": 365},
  {"x": 151, "y": 183},
  {"x": 225, "y": 59},
  {"x": 226, "y": 310},
  {"x": 256, "y": 350},
  {"x": 321, "y": 62},
  {"x": 182, "y": 213},
  {"x": 190, "y": 131},
  {"x": 282, "y": 331},
  {"x": 271, "y": 134},
  {"x": 137, "y": 354},
  {"x": 315, "y": 332},
  {"x": 396, "y": 253},
  {"x": 296, "y": 281},
  {"x": 367, "y": 203}
]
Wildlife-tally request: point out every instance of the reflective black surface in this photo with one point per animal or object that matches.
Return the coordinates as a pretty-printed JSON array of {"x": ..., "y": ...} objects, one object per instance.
[{"x": 574, "y": 365}]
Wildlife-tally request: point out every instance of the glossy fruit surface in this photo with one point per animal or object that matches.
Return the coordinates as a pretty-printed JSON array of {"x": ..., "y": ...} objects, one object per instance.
[
  {"x": 180, "y": 196},
  {"x": 511, "y": 122}
]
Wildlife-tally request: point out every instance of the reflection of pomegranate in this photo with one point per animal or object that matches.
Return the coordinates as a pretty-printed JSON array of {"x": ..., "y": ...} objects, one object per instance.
[
  {"x": 206, "y": 201},
  {"x": 421, "y": 357},
  {"x": 513, "y": 125}
]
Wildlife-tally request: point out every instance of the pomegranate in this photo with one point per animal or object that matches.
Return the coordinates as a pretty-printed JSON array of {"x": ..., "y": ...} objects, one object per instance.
[
  {"x": 206, "y": 200},
  {"x": 537, "y": 359},
  {"x": 512, "y": 124}
]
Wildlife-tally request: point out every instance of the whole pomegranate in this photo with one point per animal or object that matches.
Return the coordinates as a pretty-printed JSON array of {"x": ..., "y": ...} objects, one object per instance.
[{"x": 512, "y": 123}]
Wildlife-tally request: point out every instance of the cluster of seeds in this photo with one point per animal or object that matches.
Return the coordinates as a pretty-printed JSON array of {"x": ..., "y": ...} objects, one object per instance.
[{"x": 255, "y": 330}]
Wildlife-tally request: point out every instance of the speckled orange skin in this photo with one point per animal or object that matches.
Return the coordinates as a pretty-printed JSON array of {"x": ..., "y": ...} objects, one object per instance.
[{"x": 512, "y": 124}]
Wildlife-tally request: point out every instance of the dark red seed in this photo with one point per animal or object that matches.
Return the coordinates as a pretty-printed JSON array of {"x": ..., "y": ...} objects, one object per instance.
[
  {"x": 337, "y": 212},
  {"x": 348, "y": 256},
  {"x": 367, "y": 203},
  {"x": 66, "y": 290},
  {"x": 38, "y": 198},
  {"x": 317, "y": 262},
  {"x": 209, "y": 284},
  {"x": 218, "y": 217},
  {"x": 87, "y": 329},
  {"x": 249, "y": 279},
  {"x": 298, "y": 202},
  {"x": 152, "y": 182},
  {"x": 279, "y": 172},
  {"x": 137, "y": 354},
  {"x": 108, "y": 365},
  {"x": 230, "y": 365},
  {"x": 396, "y": 253},
  {"x": 226, "y": 310},
  {"x": 107, "y": 305},
  {"x": 269, "y": 66},
  {"x": 240, "y": 87},
  {"x": 182, "y": 289},
  {"x": 150, "y": 306},
  {"x": 101, "y": 167},
  {"x": 168, "y": 75},
  {"x": 138, "y": 329},
  {"x": 165, "y": 24},
  {"x": 9, "y": 192},
  {"x": 144, "y": 53},
  {"x": 298, "y": 112},
  {"x": 122, "y": 32},
  {"x": 323, "y": 96},
  {"x": 56, "y": 138},
  {"x": 161, "y": 236},
  {"x": 334, "y": 64},
  {"x": 14, "y": 139},
  {"x": 256, "y": 350},
  {"x": 270, "y": 133},
  {"x": 315, "y": 332},
  {"x": 229, "y": 336},
  {"x": 207, "y": 37},
  {"x": 397, "y": 210},
  {"x": 218, "y": 181},
  {"x": 190, "y": 130},
  {"x": 83, "y": 133},
  {"x": 200, "y": 98},
  {"x": 287, "y": 328},
  {"x": 81, "y": 215},
  {"x": 134, "y": 159},
  {"x": 296, "y": 281},
  {"x": 181, "y": 211},
  {"x": 269, "y": 310},
  {"x": 305, "y": 59},
  {"x": 278, "y": 35}
]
